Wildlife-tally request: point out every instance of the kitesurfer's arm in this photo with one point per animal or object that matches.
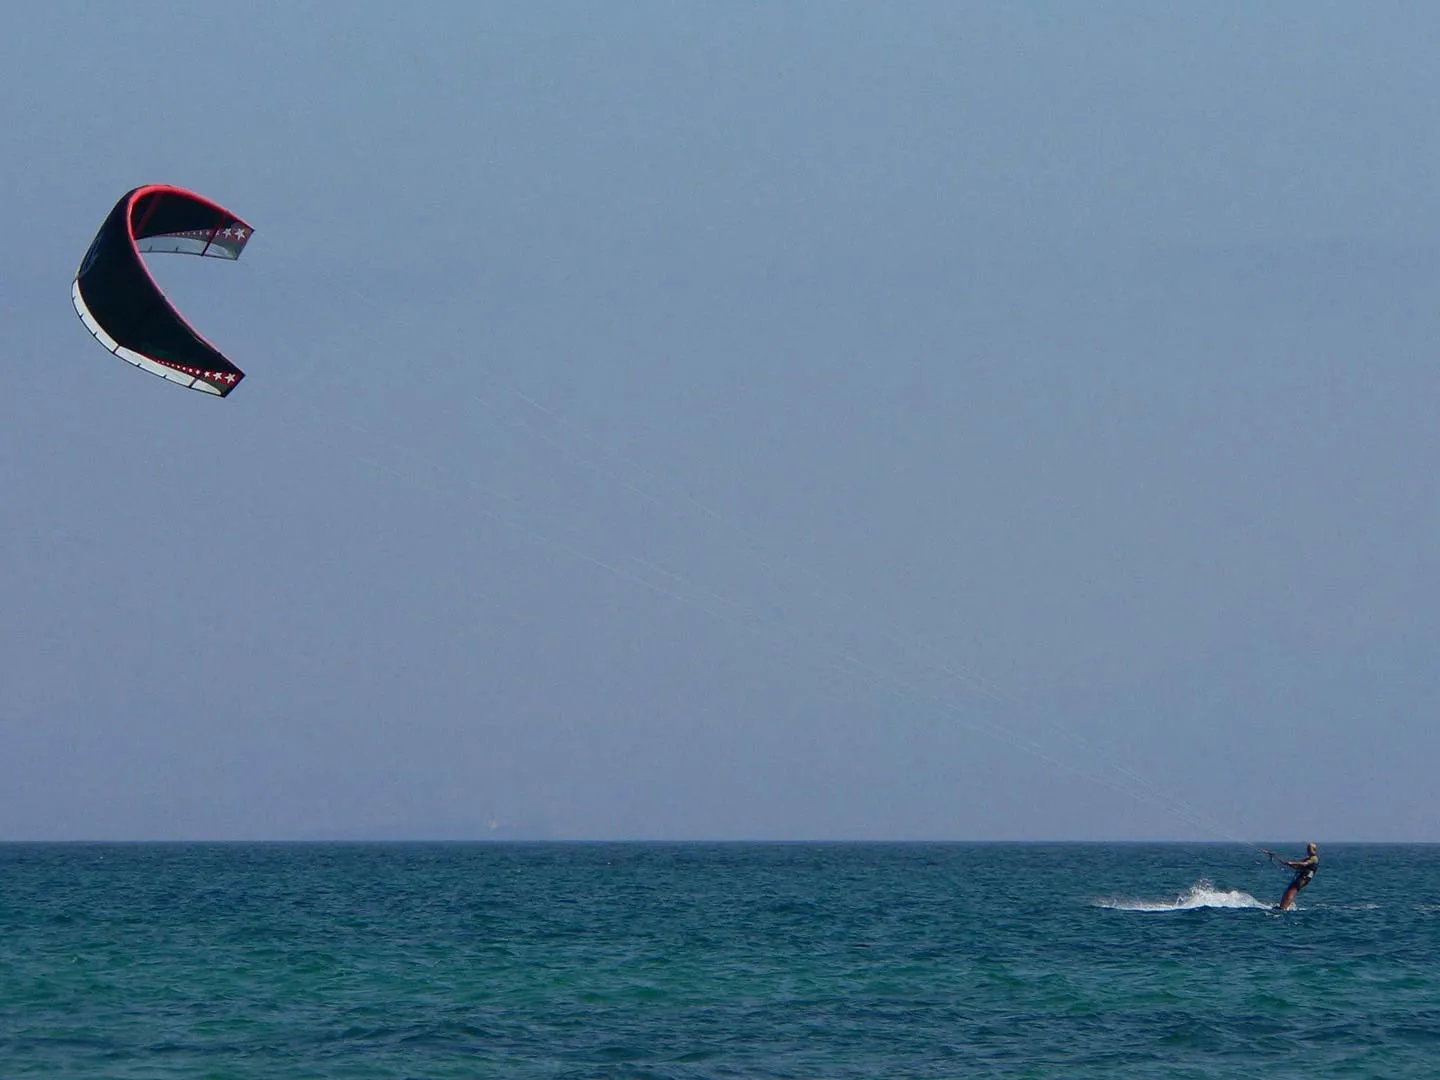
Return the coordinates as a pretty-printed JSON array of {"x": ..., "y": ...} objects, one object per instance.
[
  {"x": 1294, "y": 864},
  {"x": 1291, "y": 863}
]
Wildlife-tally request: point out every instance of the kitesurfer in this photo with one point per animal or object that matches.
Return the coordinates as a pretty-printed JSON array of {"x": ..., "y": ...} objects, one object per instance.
[{"x": 1304, "y": 871}]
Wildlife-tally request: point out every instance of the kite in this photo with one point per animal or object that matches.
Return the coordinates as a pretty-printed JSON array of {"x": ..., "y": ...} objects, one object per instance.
[{"x": 122, "y": 306}]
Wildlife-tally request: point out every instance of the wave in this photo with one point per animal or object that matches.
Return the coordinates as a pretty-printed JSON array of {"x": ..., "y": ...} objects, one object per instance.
[{"x": 1200, "y": 895}]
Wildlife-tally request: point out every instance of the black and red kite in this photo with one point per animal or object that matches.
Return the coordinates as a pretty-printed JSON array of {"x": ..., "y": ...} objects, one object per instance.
[{"x": 121, "y": 304}]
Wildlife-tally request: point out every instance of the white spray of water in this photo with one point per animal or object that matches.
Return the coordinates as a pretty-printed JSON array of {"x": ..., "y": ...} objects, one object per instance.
[{"x": 1200, "y": 895}]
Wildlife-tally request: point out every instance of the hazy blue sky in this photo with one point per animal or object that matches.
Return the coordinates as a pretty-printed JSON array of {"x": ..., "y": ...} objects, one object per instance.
[{"x": 805, "y": 420}]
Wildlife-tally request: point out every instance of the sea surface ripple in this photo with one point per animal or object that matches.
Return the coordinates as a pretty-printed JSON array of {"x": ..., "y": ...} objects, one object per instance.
[{"x": 583, "y": 961}]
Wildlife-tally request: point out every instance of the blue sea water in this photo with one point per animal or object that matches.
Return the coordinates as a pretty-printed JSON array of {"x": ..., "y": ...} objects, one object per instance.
[{"x": 830, "y": 961}]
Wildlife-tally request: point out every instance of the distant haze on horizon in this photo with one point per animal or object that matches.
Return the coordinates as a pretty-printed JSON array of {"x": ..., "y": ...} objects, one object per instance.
[{"x": 709, "y": 421}]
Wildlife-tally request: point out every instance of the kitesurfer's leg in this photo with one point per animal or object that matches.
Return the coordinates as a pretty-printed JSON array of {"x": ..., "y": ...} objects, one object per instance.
[{"x": 1296, "y": 884}]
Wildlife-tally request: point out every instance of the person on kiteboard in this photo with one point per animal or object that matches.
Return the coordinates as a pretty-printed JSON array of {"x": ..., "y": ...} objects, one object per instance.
[{"x": 1304, "y": 871}]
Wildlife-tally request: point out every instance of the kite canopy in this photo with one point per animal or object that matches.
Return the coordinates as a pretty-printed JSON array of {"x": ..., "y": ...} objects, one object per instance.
[{"x": 119, "y": 302}]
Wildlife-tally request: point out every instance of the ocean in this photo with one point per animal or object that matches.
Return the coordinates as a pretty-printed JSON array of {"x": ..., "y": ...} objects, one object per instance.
[{"x": 652, "y": 961}]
